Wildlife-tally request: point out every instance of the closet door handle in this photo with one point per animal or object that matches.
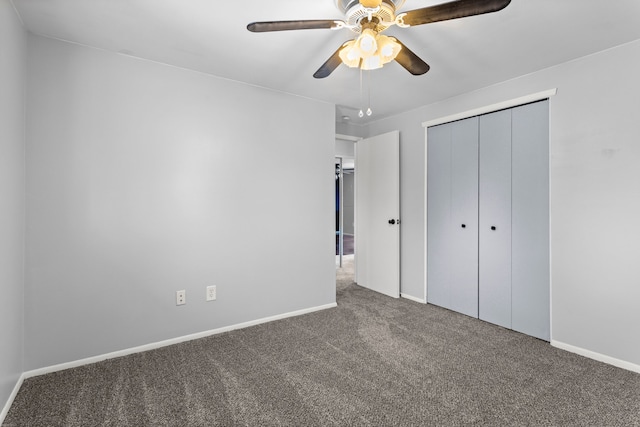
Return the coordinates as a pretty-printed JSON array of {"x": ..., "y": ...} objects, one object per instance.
[
  {"x": 392, "y": 221},
  {"x": 493, "y": 228},
  {"x": 464, "y": 225}
]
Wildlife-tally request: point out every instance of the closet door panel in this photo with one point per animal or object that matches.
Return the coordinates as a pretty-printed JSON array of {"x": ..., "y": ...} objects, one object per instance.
[
  {"x": 530, "y": 230},
  {"x": 439, "y": 215},
  {"x": 495, "y": 219},
  {"x": 464, "y": 217}
]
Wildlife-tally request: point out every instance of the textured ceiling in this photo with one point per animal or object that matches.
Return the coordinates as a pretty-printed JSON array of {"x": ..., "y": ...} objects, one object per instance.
[{"x": 465, "y": 54}]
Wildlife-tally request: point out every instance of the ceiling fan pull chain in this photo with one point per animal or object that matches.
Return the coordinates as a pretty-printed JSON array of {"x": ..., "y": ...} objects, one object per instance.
[
  {"x": 361, "y": 113},
  {"x": 369, "y": 112}
]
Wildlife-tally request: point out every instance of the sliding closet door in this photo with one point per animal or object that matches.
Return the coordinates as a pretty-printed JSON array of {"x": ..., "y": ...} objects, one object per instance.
[
  {"x": 488, "y": 218},
  {"x": 439, "y": 262},
  {"x": 464, "y": 216},
  {"x": 494, "y": 275},
  {"x": 530, "y": 210},
  {"x": 452, "y": 216}
]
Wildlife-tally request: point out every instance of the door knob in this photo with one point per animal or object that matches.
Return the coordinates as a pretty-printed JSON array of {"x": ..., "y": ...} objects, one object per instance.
[
  {"x": 392, "y": 221},
  {"x": 493, "y": 227},
  {"x": 464, "y": 225}
]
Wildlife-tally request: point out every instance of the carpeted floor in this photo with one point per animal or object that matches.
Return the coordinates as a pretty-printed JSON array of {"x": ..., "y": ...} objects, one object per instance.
[{"x": 372, "y": 361}]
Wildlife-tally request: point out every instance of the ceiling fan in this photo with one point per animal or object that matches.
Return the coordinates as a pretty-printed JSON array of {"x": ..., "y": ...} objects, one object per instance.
[{"x": 369, "y": 18}]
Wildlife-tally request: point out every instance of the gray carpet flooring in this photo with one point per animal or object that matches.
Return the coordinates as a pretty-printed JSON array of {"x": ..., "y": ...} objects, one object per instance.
[{"x": 372, "y": 361}]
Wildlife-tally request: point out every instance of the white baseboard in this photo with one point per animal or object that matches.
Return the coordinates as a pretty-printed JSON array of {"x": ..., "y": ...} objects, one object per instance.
[
  {"x": 12, "y": 397},
  {"x": 597, "y": 356},
  {"x": 153, "y": 346},
  {"x": 412, "y": 298}
]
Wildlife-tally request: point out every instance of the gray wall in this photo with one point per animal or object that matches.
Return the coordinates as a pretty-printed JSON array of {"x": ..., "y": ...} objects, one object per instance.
[
  {"x": 12, "y": 84},
  {"x": 345, "y": 148},
  {"x": 351, "y": 129},
  {"x": 595, "y": 195},
  {"x": 133, "y": 193}
]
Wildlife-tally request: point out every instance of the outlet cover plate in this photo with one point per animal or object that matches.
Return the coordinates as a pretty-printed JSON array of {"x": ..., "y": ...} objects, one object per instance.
[
  {"x": 181, "y": 297},
  {"x": 211, "y": 293}
]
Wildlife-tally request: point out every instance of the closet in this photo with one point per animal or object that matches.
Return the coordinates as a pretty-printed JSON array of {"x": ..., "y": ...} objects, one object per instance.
[{"x": 488, "y": 217}]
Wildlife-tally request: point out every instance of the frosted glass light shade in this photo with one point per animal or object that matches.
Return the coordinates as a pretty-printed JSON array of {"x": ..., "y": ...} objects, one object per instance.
[
  {"x": 372, "y": 63},
  {"x": 349, "y": 54},
  {"x": 367, "y": 43},
  {"x": 388, "y": 48}
]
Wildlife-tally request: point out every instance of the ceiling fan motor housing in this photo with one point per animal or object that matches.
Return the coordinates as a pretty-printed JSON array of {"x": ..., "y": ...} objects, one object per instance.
[
  {"x": 356, "y": 12},
  {"x": 345, "y": 5}
]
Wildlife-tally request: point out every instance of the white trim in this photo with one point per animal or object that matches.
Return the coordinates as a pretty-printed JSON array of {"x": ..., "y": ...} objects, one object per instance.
[
  {"x": 426, "y": 206},
  {"x": 412, "y": 298},
  {"x": 550, "y": 218},
  {"x": 348, "y": 137},
  {"x": 510, "y": 103},
  {"x": 153, "y": 346},
  {"x": 12, "y": 397},
  {"x": 597, "y": 356}
]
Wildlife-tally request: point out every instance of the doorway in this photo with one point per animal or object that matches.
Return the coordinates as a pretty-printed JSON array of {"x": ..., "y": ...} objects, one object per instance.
[
  {"x": 345, "y": 210},
  {"x": 376, "y": 196}
]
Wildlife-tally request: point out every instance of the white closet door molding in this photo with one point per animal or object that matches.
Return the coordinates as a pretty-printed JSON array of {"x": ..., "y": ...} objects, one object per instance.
[{"x": 509, "y": 103}]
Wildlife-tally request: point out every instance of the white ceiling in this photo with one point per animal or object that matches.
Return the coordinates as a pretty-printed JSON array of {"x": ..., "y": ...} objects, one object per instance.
[{"x": 465, "y": 54}]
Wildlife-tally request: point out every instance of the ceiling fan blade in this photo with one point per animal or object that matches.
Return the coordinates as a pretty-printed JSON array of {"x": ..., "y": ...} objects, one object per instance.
[
  {"x": 329, "y": 67},
  {"x": 263, "y": 27},
  {"x": 453, "y": 10},
  {"x": 411, "y": 62}
]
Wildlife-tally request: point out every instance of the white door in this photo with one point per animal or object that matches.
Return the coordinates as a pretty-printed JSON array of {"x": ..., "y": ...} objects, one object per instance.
[{"x": 377, "y": 241}]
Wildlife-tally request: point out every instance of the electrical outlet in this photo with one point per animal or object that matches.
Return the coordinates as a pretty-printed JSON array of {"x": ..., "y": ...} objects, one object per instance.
[
  {"x": 211, "y": 293},
  {"x": 181, "y": 297}
]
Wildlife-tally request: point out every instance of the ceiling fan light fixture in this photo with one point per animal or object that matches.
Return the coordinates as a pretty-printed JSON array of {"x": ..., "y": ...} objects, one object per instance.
[
  {"x": 369, "y": 51},
  {"x": 370, "y": 18}
]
